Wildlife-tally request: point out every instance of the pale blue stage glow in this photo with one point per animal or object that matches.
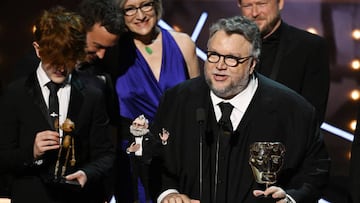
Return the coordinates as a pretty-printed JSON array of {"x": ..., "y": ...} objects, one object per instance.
[
  {"x": 164, "y": 25},
  {"x": 199, "y": 26},
  {"x": 201, "y": 54},
  {"x": 195, "y": 34},
  {"x": 338, "y": 132},
  {"x": 112, "y": 200}
]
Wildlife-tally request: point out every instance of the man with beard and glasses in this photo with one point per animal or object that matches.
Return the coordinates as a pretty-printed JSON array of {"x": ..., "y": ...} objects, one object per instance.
[
  {"x": 141, "y": 150},
  {"x": 215, "y": 119},
  {"x": 293, "y": 57}
]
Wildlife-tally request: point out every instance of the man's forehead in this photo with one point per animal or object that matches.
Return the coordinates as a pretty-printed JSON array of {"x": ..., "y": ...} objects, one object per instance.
[
  {"x": 101, "y": 37},
  {"x": 252, "y": 1},
  {"x": 141, "y": 120},
  {"x": 229, "y": 39}
]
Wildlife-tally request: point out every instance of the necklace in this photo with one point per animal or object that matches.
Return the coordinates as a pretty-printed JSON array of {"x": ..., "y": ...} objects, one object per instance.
[{"x": 148, "y": 50}]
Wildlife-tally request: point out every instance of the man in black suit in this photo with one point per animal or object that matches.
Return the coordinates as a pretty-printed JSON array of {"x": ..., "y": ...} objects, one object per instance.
[
  {"x": 31, "y": 142},
  {"x": 293, "y": 57},
  {"x": 103, "y": 24},
  {"x": 258, "y": 109}
]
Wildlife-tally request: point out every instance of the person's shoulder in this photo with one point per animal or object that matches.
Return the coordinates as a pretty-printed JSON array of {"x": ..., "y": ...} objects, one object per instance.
[
  {"x": 190, "y": 86},
  {"x": 280, "y": 92},
  {"x": 301, "y": 34},
  {"x": 179, "y": 35},
  {"x": 18, "y": 87},
  {"x": 191, "y": 83},
  {"x": 181, "y": 38},
  {"x": 87, "y": 83},
  {"x": 21, "y": 81}
]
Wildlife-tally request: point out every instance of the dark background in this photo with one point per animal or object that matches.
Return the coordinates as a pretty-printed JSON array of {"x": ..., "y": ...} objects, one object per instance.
[{"x": 333, "y": 19}]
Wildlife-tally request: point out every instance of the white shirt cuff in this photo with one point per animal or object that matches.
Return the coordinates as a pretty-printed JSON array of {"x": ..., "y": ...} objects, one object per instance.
[
  {"x": 165, "y": 193},
  {"x": 290, "y": 199},
  {"x": 169, "y": 191}
]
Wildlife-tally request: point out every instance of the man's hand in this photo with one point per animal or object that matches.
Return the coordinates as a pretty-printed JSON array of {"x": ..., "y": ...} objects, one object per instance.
[
  {"x": 79, "y": 175},
  {"x": 178, "y": 198},
  {"x": 45, "y": 141},
  {"x": 276, "y": 193}
]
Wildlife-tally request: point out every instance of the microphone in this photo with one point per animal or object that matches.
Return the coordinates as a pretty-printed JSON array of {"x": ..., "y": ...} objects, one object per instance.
[
  {"x": 200, "y": 115},
  {"x": 200, "y": 118}
]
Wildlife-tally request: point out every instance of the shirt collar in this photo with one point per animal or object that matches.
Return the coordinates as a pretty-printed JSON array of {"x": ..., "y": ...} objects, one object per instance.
[
  {"x": 242, "y": 100},
  {"x": 44, "y": 79},
  {"x": 275, "y": 36}
]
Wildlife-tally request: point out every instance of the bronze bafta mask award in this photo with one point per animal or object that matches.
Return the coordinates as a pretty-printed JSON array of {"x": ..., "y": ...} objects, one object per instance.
[
  {"x": 66, "y": 155},
  {"x": 266, "y": 160}
]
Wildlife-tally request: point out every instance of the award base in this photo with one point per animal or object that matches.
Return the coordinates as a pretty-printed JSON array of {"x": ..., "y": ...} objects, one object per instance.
[
  {"x": 67, "y": 184},
  {"x": 264, "y": 199}
]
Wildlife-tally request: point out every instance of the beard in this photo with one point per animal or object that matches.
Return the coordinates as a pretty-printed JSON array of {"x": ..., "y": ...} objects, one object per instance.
[
  {"x": 138, "y": 132},
  {"x": 269, "y": 28},
  {"x": 229, "y": 91}
]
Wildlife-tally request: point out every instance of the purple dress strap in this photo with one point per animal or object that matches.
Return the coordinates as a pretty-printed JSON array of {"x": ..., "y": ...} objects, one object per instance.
[{"x": 137, "y": 88}]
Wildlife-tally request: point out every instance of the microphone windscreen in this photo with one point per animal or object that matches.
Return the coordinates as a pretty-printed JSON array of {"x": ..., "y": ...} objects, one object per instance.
[{"x": 200, "y": 115}]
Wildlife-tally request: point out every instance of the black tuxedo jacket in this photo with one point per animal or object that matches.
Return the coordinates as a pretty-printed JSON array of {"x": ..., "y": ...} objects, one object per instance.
[
  {"x": 149, "y": 145},
  {"x": 24, "y": 113},
  {"x": 275, "y": 113},
  {"x": 302, "y": 64}
]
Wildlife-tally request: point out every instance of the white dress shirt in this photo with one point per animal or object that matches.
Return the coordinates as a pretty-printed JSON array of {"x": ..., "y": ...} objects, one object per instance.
[
  {"x": 240, "y": 102},
  {"x": 63, "y": 94}
]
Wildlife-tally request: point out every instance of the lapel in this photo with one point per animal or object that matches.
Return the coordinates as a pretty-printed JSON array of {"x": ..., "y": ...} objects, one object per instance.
[
  {"x": 261, "y": 104},
  {"x": 76, "y": 99},
  {"x": 203, "y": 101},
  {"x": 283, "y": 49},
  {"x": 34, "y": 91}
]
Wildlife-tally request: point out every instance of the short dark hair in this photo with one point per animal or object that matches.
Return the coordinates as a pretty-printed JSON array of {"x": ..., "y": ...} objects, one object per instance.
[
  {"x": 242, "y": 26},
  {"x": 104, "y": 12}
]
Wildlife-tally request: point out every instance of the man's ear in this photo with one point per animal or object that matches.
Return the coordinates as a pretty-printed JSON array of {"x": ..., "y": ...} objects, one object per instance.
[
  {"x": 252, "y": 65},
  {"x": 37, "y": 49},
  {"x": 281, "y": 4},
  {"x": 239, "y": 3}
]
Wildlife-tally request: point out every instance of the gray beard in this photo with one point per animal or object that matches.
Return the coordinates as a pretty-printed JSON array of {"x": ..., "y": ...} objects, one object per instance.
[
  {"x": 138, "y": 132},
  {"x": 230, "y": 91}
]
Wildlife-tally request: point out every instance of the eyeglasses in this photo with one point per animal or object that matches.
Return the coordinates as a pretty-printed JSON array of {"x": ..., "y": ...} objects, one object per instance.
[
  {"x": 229, "y": 60},
  {"x": 146, "y": 7}
]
